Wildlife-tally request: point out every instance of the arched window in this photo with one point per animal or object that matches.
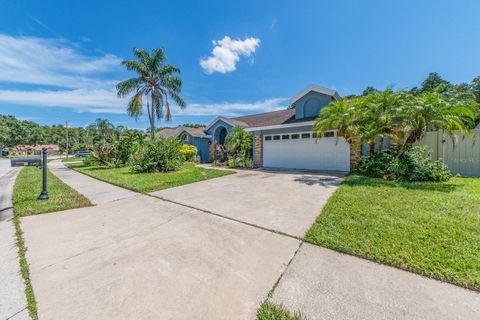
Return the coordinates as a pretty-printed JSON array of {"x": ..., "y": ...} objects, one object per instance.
[{"x": 185, "y": 138}]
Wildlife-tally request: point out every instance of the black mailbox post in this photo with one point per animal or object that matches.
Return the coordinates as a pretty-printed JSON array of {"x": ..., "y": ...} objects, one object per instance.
[
  {"x": 44, "y": 194},
  {"x": 22, "y": 162},
  {"x": 34, "y": 161}
]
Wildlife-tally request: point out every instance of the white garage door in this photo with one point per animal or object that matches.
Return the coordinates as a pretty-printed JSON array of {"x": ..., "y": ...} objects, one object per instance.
[{"x": 301, "y": 150}]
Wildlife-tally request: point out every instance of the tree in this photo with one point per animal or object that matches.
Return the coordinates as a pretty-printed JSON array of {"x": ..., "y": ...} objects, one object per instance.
[
  {"x": 239, "y": 143},
  {"x": 102, "y": 128},
  {"x": 475, "y": 87},
  {"x": 433, "y": 82},
  {"x": 156, "y": 82},
  {"x": 436, "y": 111},
  {"x": 377, "y": 113},
  {"x": 369, "y": 90},
  {"x": 341, "y": 116}
]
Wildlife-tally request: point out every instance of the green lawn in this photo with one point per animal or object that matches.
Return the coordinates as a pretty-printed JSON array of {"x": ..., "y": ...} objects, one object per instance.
[
  {"x": 429, "y": 228},
  {"x": 71, "y": 159},
  {"x": 25, "y": 192},
  {"x": 28, "y": 186},
  {"x": 270, "y": 311},
  {"x": 148, "y": 182}
]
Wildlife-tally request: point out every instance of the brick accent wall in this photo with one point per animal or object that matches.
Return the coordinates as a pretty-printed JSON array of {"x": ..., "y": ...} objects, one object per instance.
[
  {"x": 355, "y": 153},
  {"x": 258, "y": 150}
]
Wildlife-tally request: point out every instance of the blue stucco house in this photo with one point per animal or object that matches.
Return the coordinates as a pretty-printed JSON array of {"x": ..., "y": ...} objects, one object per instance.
[{"x": 282, "y": 139}]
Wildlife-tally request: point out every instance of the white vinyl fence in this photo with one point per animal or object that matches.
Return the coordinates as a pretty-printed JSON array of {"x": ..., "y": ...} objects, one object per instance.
[{"x": 462, "y": 157}]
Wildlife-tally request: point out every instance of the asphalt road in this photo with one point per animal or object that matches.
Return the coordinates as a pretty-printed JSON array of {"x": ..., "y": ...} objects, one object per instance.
[{"x": 12, "y": 297}]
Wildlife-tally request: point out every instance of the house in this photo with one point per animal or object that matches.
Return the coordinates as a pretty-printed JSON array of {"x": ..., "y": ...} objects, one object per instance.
[
  {"x": 194, "y": 136},
  {"x": 53, "y": 149},
  {"x": 282, "y": 139}
]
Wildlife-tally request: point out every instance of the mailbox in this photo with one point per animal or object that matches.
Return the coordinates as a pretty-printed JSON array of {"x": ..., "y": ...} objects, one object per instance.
[{"x": 23, "y": 162}]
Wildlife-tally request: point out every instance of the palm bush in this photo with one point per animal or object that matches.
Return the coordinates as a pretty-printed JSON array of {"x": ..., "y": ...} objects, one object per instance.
[
  {"x": 159, "y": 155},
  {"x": 239, "y": 148}
]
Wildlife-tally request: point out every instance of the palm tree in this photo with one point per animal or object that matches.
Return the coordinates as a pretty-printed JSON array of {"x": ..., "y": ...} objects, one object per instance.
[
  {"x": 102, "y": 127},
  {"x": 341, "y": 116},
  {"x": 156, "y": 82},
  {"x": 239, "y": 142},
  {"x": 436, "y": 111},
  {"x": 379, "y": 111}
]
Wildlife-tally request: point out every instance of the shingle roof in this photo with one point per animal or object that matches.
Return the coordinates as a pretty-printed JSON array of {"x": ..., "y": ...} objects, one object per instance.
[
  {"x": 173, "y": 132},
  {"x": 267, "y": 118},
  {"x": 169, "y": 132},
  {"x": 196, "y": 132}
]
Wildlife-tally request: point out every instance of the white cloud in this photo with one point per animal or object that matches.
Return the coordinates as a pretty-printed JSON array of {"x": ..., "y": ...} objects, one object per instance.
[
  {"x": 54, "y": 62},
  {"x": 227, "y": 53},
  {"x": 82, "y": 100},
  {"x": 234, "y": 109},
  {"x": 106, "y": 101}
]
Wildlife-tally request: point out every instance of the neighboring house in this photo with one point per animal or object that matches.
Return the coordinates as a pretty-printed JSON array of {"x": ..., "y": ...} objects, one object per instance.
[
  {"x": 53, "y": 149},
  {"x": 282, "y": 139},
  {"x": 194, "y": 136}
]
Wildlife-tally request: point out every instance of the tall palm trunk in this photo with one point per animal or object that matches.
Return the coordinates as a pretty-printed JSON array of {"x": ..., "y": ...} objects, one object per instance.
[{"x": 151, "y": 117}]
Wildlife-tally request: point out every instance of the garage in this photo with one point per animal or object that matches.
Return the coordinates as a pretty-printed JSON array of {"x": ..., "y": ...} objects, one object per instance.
[{"x": 303, "y": 150}]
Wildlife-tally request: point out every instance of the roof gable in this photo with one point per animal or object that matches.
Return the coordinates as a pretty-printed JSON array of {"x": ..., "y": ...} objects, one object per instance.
[
  {"x": 231, "y": 121},
  {"x": 329, "y": 92}
]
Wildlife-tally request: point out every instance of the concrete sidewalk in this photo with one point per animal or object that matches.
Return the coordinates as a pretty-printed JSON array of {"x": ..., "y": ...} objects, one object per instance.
[
  {"x": 12, "y": 290},
  {"x": 96, "y": 191},
  {"x": 325, "y": 284}
]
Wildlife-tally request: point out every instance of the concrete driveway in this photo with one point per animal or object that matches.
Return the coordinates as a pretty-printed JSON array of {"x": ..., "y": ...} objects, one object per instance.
[
  {"x": 144, "y": 258},
  {"x": 279, "y": 200}
]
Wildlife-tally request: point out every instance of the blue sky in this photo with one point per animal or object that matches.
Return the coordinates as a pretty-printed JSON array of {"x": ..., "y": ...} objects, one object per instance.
[{"x": 59, "y": 60}]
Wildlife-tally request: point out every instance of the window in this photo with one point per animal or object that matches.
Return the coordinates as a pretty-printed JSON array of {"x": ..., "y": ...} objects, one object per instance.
[
  {"x": 285, "y": 137},
  {"x": 268, "y": 138},
  {"x": 305, "y": 135},
  {"x": 316, "y": 135},
  {"x": 295, "y": 136},
  {"x": 276, "y": 137},
  {"x": 329, "y": 134}
]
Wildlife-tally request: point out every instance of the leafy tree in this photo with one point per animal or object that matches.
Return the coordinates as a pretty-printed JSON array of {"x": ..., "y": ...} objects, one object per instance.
[
  {"x": 433, "y": 82},
  {"x": 156, "y": 82},
  {"x": 369, "y": 90},
  {"x": 475, "y": 87}
]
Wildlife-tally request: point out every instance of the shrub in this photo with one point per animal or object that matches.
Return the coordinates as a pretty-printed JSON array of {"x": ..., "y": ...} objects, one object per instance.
[
  {"x": 379, "y": 166},
  {"x": 102, "y": 154},
  {"x": 158, "y": 155},
  {"x": 117, "y": 153},
  {"x": 239, "y": 145},
  {"x": 128, "y": 144},
  {"x": 189, "y": 152},
  {"x": 240, "y": 162},
  {"x": 415, "y": 164}
]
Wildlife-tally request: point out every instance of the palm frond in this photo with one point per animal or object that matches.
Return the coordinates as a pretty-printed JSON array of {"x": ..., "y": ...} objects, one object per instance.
[
  {"x": 143, "y": 55},
  {"x": 126, "y": 87},
  {"x": 136, "y": 66},
  {"x": 135, "y": 105}
]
